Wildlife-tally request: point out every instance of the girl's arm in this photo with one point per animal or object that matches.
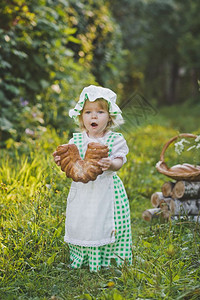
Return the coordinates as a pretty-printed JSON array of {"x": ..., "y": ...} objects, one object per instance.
[{"x": 108, "y": 164}]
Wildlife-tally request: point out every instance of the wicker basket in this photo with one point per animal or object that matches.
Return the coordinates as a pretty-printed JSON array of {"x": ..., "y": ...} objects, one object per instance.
[{"x": 185, "y": 172}]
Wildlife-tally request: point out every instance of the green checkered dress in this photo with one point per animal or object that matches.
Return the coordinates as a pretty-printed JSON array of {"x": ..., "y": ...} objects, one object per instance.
[{"x": 120, "y": 250}]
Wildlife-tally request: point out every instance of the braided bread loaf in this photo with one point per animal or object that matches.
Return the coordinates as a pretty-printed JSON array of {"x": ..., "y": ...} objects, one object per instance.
[{"x": 78, "y": 169}]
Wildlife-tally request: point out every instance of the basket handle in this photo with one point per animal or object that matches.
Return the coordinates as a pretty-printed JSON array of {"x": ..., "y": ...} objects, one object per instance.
[{"x": 172, "y": 140}]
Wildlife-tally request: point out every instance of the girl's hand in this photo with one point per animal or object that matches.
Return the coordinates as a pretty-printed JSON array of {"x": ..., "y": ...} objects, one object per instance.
[
  {"x": 105, "y": 163},
  {"x": 56, "y": 158},
  {"x": 108, "y": 164}
]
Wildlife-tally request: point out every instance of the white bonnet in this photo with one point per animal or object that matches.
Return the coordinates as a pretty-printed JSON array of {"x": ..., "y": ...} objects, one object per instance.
[{"x": 92, "y": 93}]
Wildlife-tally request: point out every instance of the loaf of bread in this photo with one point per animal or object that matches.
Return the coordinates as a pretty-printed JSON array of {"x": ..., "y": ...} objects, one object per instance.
[{"x": 76, "y": 168}]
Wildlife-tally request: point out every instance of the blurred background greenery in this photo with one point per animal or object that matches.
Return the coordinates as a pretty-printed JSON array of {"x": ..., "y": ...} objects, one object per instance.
[
  {"x": 51, "y": 49},
  {"x": 147, "y": 51}
]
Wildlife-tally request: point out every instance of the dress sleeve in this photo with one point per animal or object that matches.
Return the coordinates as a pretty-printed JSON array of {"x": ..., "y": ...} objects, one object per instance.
[
  {"x": 71, "y": 141},
  {"x": 120, "y": 148}
]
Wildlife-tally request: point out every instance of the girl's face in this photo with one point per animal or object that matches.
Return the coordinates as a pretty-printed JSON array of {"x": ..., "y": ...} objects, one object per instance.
[{"x": 95, "y": 118}]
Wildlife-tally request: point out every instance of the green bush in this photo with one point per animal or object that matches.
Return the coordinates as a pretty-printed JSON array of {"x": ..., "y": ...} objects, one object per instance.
[{"x": 39, "y": 78}]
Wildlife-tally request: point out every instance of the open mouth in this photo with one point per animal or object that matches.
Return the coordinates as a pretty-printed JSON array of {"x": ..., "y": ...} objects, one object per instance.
[{"x": 94, "y": 124}]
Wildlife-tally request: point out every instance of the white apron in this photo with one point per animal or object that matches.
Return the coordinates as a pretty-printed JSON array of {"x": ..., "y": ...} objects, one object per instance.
[{"x": 90, "y": 212}]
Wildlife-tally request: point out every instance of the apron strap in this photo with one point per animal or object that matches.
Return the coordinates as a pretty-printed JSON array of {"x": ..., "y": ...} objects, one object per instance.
[
  {"x": 78, "y": 141},
  {"x": 111, "y": 140}
]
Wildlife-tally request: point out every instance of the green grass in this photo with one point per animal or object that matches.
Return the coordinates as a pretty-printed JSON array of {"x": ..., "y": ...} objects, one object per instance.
[{"x": 34, "y": 260}]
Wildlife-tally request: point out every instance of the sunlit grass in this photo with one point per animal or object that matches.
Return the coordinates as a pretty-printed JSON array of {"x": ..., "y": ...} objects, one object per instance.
[{"x": 34, "y": 260}]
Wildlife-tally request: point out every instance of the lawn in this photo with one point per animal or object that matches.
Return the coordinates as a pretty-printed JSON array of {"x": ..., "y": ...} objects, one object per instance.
[{"x": 34, "y": 260}]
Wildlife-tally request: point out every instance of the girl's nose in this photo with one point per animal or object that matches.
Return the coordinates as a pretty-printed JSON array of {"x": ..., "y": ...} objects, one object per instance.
[{"x": 94, "y": 115}]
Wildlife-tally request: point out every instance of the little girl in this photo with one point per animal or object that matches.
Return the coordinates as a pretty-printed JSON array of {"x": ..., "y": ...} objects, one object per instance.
[{"x": 97, "y": 224}]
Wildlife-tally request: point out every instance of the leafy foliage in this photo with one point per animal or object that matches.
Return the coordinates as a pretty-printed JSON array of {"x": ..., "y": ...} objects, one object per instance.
[
  {"x": 37, "y": 67},
  {"x": 49, "y": 51}
]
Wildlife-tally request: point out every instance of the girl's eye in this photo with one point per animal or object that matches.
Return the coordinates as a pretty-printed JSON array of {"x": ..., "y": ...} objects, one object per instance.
[
  {"x": 101, "y": 112},
  {"x": 87, "y": 112}
]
